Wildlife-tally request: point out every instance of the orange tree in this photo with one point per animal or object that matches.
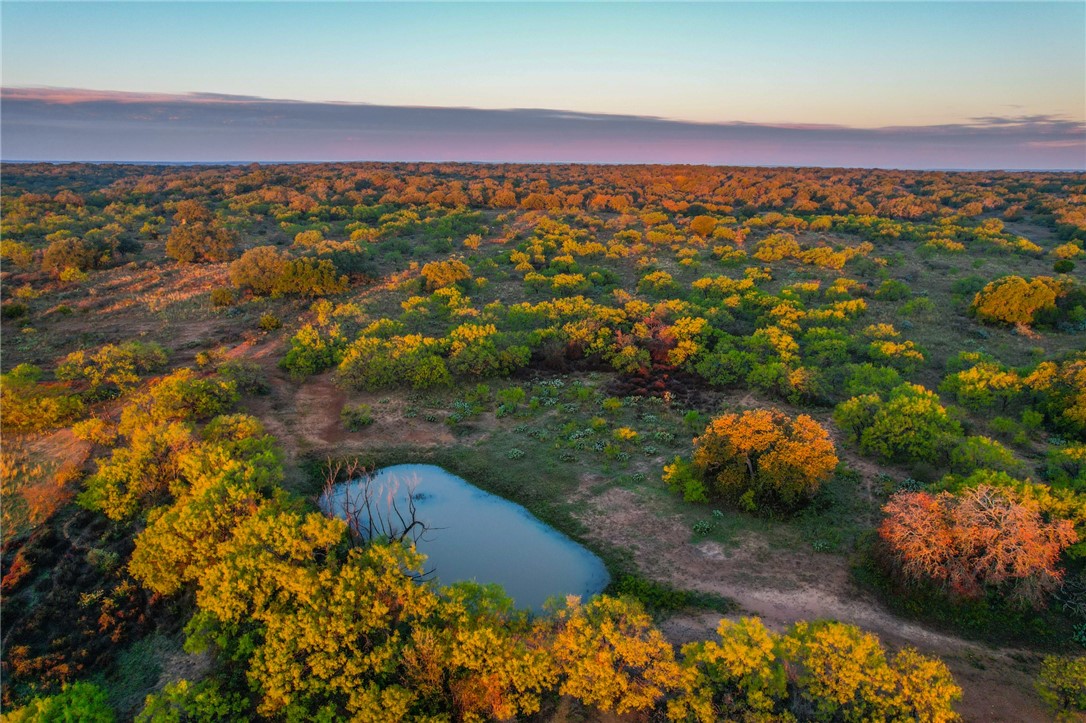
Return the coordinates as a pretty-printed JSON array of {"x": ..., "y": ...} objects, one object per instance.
[
  {"x": 763, "y": 456},
  {"x": 978, "y": 539}
]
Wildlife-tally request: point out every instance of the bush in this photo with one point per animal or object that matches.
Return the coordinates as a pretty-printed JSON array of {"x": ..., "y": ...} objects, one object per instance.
[
  {"x": 1014, "y": 300},
  {"x": 70, "y": 253},
  {"x": 440, "y": 274},
  {"x": 981, "y": 538},
  {"x": 893, "y": 290},
  {"x": 82, "y": 702},
  {"x": 96, "y": 431},
  {"x": 202, "y": 701},
  {"x": 826, "y": 671},
  {"x": 222, "y": 297},
  {"x": 908, "y": 424},
  {"x": 269, "y": 322},
  {"x": 114, "y": 368},
  {"x": 266, "y": 270},
  {"x": 975, "y": 452},
  {"x": 870, "y": 378},
  {"x": 312, "y": 351},
  {"x": 17, "y": 253},
  {"x": 249, "y": 377},
  {"x": 683, "y": 477},
  {"x": 1063, "y": 266},
  {"x": 1066, "y": 467},
  {"x": 356, "y": 417},
  {"x": 1062, "y": 686},
  {"x": 258, "y": 269},
  {"x": 14, "y": 310},
  {"x": 27, "y": 406},
  {"x": 197, "y": 236}
]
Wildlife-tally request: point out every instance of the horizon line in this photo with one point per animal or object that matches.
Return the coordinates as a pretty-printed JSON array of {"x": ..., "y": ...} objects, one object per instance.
[{"x": 23, "y": 161}]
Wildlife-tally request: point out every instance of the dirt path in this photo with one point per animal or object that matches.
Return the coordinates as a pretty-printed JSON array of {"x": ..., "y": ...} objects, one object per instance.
[
  {"x": 783, "y": 586},
  {"x": 305, "y": 418}
]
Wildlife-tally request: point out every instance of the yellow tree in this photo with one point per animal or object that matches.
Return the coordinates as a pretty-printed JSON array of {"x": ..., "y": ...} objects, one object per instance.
[
  {"x": 337, "y": 644},
  {"x": 1015, "y": 300},
  {"x": 611, "y": 656},
  {"x": 737, "y": 674},
  {"x": 479, "y": 656},
  {"x": 766, "y": 456}
]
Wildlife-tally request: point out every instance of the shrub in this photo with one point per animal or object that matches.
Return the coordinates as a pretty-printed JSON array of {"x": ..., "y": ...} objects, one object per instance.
[
  {"x": 511, "y": 397},
  {"x": 70, "y": 253},
  {"x": 247, "y": 376},
  {"x": 1063, "y": 266},
  {"x": 83, "y": 702},
  {"x": 258, "y": 269},
  {"x": 683, "y": 477},
  {"x": 312, "y": 351},
  {"x": 870, "y": 378},
  {"x": 1066, "y": 467},
  {"x": 919, "y": 306},
  {"x": 17, "y": 253},
  {"x": 310, "y": 277},
  {"x": 222, "y": 297},
  {"x": 1062, "y": 686},
  {"x": 356, "y": 417},
  {"x": 814, "y": 671},
  {"x": 269, "y": 322},
  {"x": 114, "y": 368},
  {"x": 14, "y": 310},
  {"x": 893, "y": 290},
  {"x": 440, "y": 274},
  {"x": 197, "y": 236},
  {"x": 186, "y": 701},
  {"x": 975, "y": 452},
  {"x": 266, "y": 270},
  {"x": 27, "y": 406},
  {"x": 95, "y": 430}
]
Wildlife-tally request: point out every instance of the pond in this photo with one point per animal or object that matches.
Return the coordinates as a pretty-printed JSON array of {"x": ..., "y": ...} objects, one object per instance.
[{"x": 472, "y": 534}]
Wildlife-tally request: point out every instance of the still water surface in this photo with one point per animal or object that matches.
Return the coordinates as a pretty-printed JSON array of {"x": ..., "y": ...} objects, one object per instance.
[{"x": 477, "y": 536}]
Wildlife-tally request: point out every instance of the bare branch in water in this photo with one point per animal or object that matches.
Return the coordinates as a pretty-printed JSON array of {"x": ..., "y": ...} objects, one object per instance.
[{"x": 369, "y": 514}]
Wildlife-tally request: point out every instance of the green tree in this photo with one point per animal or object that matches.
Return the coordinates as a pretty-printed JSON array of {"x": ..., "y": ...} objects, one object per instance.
[
  {"x": 1062, "y": 686},
  {"x": 78, "y": 702},
  {"x": 909, "y": 424}
]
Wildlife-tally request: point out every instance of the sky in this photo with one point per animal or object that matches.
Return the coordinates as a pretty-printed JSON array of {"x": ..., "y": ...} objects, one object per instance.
[{"x": 922, "y": 84}]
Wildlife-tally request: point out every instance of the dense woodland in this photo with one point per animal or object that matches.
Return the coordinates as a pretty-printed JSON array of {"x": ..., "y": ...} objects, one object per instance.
[{"x": 883, "y": 371}]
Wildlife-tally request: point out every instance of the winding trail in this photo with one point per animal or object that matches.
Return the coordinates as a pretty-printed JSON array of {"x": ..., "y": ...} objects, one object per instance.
[{"x": 784, "y": 586}]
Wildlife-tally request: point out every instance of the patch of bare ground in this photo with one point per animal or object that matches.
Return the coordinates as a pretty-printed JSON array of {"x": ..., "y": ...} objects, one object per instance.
[
  {"x": 783, "y": 586},
  {"x": 178, "y": 665},
  {"x": 305, "y": 417}
]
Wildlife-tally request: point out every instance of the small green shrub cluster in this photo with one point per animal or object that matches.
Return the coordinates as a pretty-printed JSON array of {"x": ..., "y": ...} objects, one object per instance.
[{"x": 356, "y": 417}]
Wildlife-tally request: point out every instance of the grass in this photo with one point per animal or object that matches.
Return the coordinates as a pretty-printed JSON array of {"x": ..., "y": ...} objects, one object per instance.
[
  {"x": 135, "y": 672},
  {"x": 989, "y": 619},
  {"x": 661, "y": 600}
]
